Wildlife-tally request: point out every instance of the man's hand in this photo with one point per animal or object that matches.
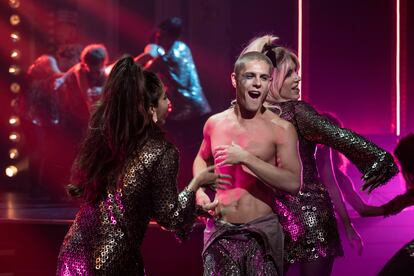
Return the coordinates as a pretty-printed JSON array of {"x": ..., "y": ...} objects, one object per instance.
[
  {"x": 229, "y": 154},
  {"x": 154, "y": 50},
  {"x": 203, "y": 201}
]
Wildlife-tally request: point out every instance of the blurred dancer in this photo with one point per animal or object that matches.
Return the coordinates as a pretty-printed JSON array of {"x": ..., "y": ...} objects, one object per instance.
[{"x": 172, "y": 60}]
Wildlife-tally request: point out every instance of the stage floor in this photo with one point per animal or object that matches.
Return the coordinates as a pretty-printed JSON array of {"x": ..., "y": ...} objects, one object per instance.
[{"x": 16, "y": 207}]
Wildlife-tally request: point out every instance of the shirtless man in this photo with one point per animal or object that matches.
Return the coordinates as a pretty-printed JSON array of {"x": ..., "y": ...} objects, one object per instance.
[{"x": 259, "y": 150}]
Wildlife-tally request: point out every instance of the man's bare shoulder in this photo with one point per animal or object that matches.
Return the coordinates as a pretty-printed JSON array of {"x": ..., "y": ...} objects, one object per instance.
[
  {"x": 218, "y": 117},
  {"x": 277, "y": 121}
]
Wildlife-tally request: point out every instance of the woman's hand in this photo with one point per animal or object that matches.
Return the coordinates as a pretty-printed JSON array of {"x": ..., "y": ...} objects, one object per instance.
[
  {"x": 354, "y": 238},
  {"x": 208, "y": 179}
]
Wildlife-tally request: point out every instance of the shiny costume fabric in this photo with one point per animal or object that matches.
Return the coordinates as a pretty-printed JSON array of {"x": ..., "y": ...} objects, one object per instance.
[
  {"x": 254, "y": 248},
  {"x": 308, "y": 219},
  {"x": 105, "y": 237},
  {"x": 183, "y": 78}
]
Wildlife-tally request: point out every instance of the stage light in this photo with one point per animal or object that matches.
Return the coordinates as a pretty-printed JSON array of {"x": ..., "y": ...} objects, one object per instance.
[
  {"x": 15, "y": 87},
  {"x": 14, "y": 19},
  {"x": 15, "y": 36},
  {"x": 14, "y": 4},
  {"x": 14, "y": 103},
  {"x": 13, "y": 153},
  {"x": 11, "y": 171},
  {"x": 14, "y": 137},
  {"x": 15, "y": 54},
  {"x": 14, "y": 70},
  {"x": 14, "y": 121}
]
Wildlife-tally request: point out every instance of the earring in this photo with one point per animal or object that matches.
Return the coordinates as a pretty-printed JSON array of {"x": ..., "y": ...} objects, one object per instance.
[{"x": 154, "y": 117}]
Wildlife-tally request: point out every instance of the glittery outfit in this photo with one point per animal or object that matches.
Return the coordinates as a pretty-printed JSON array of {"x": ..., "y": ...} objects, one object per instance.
[
  {"x": 105, "y": 237},
  {"x": 253, "y": 248},
  {"x": 308, "y": 219},
  {"x": 183, "y": 85}
]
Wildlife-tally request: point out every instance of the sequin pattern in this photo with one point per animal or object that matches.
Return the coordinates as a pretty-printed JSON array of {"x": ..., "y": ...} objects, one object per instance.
[
  {"x": 183, "y": 76},
  {"x": 106, "y": 236},
  {"x": 238, "y": 257},
  {"x": 308, "y": 219}
]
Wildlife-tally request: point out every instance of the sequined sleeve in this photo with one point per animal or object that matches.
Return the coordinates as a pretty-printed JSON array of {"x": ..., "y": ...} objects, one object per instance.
[
  {"x": 171, "y": 210},
  {"x": 370, "y": 159},
  {"x": 185, "y": 75},
  {"x": 399, "y": 203}
]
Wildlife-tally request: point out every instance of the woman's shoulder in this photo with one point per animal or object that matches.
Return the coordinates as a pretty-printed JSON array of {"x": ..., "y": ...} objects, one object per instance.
[
  {"x": 302, "y": 104},
  {"x": 158, "y": 145}
]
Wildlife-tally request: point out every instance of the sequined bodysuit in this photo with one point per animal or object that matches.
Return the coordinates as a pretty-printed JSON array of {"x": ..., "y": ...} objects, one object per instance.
[
  {"x": 183, "y": 85},
  {"x": 308, "y": 219},
  {"x": 105, "y": 237}
]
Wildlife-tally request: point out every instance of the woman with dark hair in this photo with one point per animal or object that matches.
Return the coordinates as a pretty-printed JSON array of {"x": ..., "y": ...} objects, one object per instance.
[
  {"x": 126, "y": 173},
  {"x": 402, "y": 263},
  {"x": 311, "y": 232}
]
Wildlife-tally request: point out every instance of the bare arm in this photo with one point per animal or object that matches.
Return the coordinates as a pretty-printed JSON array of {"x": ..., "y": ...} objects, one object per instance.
[
  {"x": 353, "y": 198},
  {"x": 392, "y": 207},
  {"x": 202, "y": 161},
  {"x": 285, "y": 177},
  {"x": 324, "y": 162},
  {"x": 143, "y": 58}
]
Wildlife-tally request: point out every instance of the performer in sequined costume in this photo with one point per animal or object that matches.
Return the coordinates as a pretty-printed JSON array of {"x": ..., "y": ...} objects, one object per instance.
[
  {"x": 402, "y": 263},
  {"x": 172, "y": 60},
  {"x": 126, "y": 174},
  {"x": 40, "y": 109},
  {"x": 245, "y": 237},
  {"x": 308, "y": 219}
]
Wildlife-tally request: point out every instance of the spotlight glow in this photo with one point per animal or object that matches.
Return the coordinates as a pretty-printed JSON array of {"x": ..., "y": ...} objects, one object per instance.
[
  {"x": 11, "y": 171},
  {"x": 14, "y": 70},
  {"x": 14, "y": 19},
  {"x": 14, "y": 137},
  {"x": 15, "y": 54},
  {"x": 14, "y": 121},
  {"x": 15, "y": 36},
  {"x": 13, "y": 153},
  {"x": 15, "y": 87},
  {"x": 14, "y": 4}
]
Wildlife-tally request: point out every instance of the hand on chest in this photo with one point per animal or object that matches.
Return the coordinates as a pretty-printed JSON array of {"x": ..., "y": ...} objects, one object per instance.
[{"x": 256, "y": 139}]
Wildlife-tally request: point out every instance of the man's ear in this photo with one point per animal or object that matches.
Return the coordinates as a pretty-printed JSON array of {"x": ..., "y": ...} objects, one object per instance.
[{"x": 234, "y": 80}]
